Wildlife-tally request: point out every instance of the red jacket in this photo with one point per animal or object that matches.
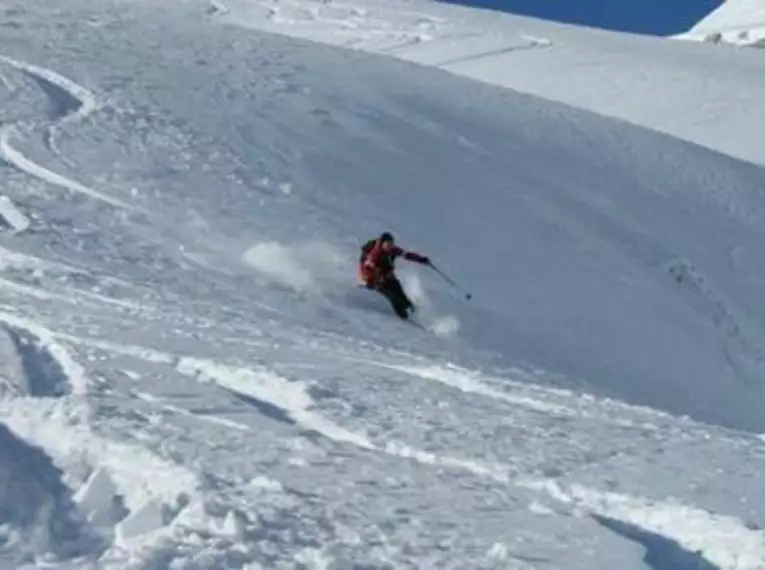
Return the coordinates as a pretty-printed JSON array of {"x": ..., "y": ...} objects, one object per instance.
[{"x": 377, "y": 264}]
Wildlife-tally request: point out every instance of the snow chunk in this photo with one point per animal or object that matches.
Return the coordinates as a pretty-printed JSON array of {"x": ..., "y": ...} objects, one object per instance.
[
  {"x": 262, "y": 482},
  {"x": 98, "y": 499},
  {"x": 313, "y": 559},
  {"x": 497, "y": 552},
  {"x": 539, "y": 509},
  {"x": 11, "y": 216},
  {"x": 233, "y": 527},
  {"x": 148, "y": 518}
]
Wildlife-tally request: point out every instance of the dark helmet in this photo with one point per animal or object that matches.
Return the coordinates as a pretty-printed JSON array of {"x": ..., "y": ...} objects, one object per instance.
[{"x": 386, "y": 236}]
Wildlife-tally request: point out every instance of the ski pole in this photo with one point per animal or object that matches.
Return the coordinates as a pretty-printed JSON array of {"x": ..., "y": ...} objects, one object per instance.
[{"x": 449, "y": 280}]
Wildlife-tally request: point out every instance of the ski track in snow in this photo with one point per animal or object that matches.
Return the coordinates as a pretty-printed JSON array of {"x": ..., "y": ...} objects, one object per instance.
[
  {"x": 5, "y": 82},
  {"x": 86, "y": 103},
  {"x": 694, "y": 529},
  {"x": 402, "y": 32},
  {"x": 292, "y": 398},
  {"x": 527, "y": 44},
  {"x": 76, "y": 297},
  {"x": 45, "y": 339},
  {"x": 131, "y": 472},
  {"x": 542, "y": 402},
  {"x": 691, "y": 528},
  {"x": 32, "y": 267},
  {"x": 293, "y": 401},
  {"x": 723, "y": 541},
  {"x": 73, "y": 101},
  {"x": 146, "y": 397},
  {"x": 31, "y": 264},
  {"x": 14, "y": 259}
]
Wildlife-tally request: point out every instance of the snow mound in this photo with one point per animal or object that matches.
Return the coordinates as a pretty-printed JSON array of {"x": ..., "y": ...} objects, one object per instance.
[{"x": 144, "y": 520}]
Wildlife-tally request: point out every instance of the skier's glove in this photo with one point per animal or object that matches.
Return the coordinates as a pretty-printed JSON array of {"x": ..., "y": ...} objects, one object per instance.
[{"x": 425, "y": 260}]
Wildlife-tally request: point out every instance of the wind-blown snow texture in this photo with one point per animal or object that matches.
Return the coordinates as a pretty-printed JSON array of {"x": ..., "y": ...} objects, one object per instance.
[{"x": 191, "y": 377}]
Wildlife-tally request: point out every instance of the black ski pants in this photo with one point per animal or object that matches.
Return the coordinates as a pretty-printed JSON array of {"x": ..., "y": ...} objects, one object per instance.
[{"x": 391, "y": 288}]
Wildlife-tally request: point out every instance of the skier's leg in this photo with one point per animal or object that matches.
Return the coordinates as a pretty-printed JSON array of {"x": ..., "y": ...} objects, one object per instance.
[
  {"x": 392, "y": 289},
  {"x": 398, "y": 290}
]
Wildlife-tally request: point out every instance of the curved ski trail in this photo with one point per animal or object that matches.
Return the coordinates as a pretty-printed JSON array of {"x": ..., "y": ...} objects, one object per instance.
[{"x": 85, "y": 103}]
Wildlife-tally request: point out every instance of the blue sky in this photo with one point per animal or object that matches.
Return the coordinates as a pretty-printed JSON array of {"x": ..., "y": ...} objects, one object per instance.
[{"x": 660, "y": 17}]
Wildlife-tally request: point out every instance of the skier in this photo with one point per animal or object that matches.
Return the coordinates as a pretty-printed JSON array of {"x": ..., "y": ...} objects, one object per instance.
[{"x": 376, "y": 271}]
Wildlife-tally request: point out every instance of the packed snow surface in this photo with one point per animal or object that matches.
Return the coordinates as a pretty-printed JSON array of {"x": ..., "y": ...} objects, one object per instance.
[{"x": 191, "y": 377}]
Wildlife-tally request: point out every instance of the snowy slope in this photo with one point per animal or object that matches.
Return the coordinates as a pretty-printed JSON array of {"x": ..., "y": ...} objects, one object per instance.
[
  {"x": 694, "y": 92},
  {"x": 190, "y": 377},
  {"x": 735, "y": 21}
]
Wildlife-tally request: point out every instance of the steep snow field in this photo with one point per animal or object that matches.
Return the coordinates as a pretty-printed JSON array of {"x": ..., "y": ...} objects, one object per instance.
[
  {"x": 736, "y": 21},
  {"x": 702, "y": 94},
  {"x": 192, "y": 378}
]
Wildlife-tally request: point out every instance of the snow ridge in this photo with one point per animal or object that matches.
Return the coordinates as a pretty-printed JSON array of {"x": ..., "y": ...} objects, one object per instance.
[{"x": 719, "y": 540}]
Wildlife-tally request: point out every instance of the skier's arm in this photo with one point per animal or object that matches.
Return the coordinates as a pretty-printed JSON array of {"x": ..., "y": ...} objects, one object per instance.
[{"x": 412, "y": 256}]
